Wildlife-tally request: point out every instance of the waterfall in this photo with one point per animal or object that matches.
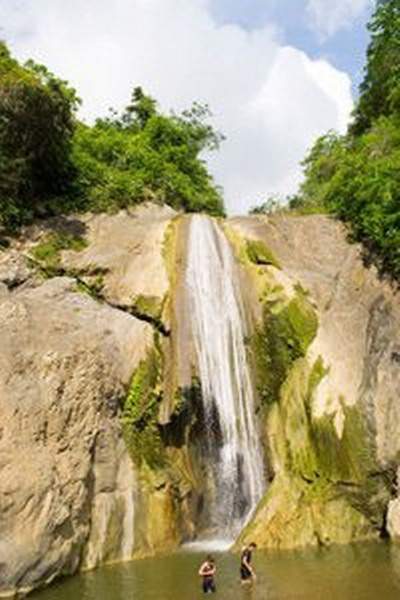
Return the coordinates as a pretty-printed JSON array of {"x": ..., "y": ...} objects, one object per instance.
[{"x": 234, "y": 455}]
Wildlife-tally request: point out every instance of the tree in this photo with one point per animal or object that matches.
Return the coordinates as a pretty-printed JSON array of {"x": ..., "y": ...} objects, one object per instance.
[
  {"x": 145, "y": 154},
  {"x": 380, "y": 89},
  {"x": 36, "y": 129},
  {"x": 50, "y": 163},
  {"x": 271, "y": 205},
  {"x": 357, "y": 176},
  {"x": 140, "y": 110}
]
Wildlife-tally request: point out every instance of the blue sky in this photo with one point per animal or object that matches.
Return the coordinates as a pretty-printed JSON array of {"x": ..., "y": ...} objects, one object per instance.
[
  {"x": 276, "y": 73},
  {"x": 345, "y": 49}
]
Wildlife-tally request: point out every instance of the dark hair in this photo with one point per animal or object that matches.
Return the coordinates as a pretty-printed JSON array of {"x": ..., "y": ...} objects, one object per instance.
[
  {"x": 210, "y": 558},
  {"x": 252, "y": 545}
]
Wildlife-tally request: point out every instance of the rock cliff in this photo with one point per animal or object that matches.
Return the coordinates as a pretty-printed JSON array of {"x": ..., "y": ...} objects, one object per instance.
[
  {"x": 326, "y": 349},
  {"x": 70, "y": 342},
  {"x": 100, "y": 412}
]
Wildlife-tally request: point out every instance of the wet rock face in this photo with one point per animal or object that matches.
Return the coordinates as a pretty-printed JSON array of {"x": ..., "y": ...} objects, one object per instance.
[
  {"x": 333, "y": 436},
  {"x": 76, "y": 492}
]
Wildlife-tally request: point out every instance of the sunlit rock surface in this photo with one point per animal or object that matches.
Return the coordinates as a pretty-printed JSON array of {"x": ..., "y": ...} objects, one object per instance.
[
  {"x": 67, "y": 483},
  {"x": 126, "y": 250},
  {"x": 333, "y": 428},
  {"x": 100, "y": 428}
]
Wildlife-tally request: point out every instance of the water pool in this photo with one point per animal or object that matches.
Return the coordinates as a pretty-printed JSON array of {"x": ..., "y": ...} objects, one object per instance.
[{"x": 356, "y": 572}]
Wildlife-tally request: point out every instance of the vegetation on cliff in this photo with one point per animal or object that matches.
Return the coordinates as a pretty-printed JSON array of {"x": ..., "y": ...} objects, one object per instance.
[
  {"x": 37, "y": 123},
  {"x": 285, "y": 335},
  {"x": 357, "y": 176},
  {"x": 140, "y": 412},
  {"x": 50, "y": 163},
  {"x": 259, "y": 254},
  {"x": 145, "y": 155}
]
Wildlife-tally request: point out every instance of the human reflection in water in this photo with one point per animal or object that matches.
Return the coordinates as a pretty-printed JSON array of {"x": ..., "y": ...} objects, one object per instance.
[{"x": 248, "y": 592}]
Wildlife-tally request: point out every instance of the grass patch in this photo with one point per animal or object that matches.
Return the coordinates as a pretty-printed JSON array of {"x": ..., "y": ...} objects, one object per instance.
[{"x": 48, "y": 251}]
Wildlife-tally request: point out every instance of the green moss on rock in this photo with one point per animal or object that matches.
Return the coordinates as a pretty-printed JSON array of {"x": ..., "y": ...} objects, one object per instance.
[
  {"x": 91, "y": 285},
  {"x": 151, "y": 306},
  {"x": 327, "y": 487},
  {"x": 285, "y": 335},
  {"x": 318, "y": 372},
  {"x": 259, "y": 254},
  {"x": 295, "y": 513},
  {"x": 140, "y": 412},
  {"x": 47, "y": 252},
  {"x": 169, "y": 249},
  {"x": 315, "y": 450}
]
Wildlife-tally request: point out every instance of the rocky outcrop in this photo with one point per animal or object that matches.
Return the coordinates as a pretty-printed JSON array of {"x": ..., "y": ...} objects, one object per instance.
[
  {"x": 67, "y": 483},
  {"x": 125, "y": 252},
  {"x": 329, "y": 393},
  {"x": 100, "y": 410},
  {"x": 64, "y": 363}
]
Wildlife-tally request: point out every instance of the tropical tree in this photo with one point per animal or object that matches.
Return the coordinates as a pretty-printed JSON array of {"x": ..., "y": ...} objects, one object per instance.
[{"x": 36, "y": 130}]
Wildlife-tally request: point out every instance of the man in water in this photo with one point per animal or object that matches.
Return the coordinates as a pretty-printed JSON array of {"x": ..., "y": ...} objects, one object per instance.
[
  {"x": 247, "y": 574},
  {"x": 207, "y": 571}
]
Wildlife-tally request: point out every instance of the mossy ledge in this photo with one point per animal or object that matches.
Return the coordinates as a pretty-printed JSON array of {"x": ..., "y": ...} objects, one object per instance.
[
  {"x": 286, "y": 332},
  {"x": 149, "y": 309},
  {"x": 259, "y": 254},
  {"x": 48, "y": 251}
]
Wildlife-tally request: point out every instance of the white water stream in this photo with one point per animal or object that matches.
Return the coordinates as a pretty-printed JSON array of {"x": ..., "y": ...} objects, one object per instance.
[{"x": 217, "y": 321}]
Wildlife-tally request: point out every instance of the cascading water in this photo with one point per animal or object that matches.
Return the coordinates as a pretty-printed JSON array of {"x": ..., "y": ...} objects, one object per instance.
[{"x": 234, "y": 455}]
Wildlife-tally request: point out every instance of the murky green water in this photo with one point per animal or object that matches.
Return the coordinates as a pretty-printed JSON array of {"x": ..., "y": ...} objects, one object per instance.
[{"x": 360, "y": 572}]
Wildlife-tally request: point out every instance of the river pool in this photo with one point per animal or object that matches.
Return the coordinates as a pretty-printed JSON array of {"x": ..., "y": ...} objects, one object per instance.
[{"x": 357, "y": 572}]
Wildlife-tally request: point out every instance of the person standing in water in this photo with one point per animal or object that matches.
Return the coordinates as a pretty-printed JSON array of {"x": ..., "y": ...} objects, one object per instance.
[
  {"x": 247, "y": 573},
  {"x": 207, "y": 571}
]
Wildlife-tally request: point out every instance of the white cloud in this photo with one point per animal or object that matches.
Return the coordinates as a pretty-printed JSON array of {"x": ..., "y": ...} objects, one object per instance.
[
  {"x": 329, "y": 16},
  {"x": 270, "y": 100}
]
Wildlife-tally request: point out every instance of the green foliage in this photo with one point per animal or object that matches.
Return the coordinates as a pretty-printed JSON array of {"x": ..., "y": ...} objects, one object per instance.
[
  {"x": 141, "y": 109},
  {"x": 284, "y": 337},
  {"x": 36, "y": 129},
  {"x": 274, "y": 204},
  {"x": 270, "y": 205},
  {"x": 359, "y": 180},
  {"x": 380, "y": 89},
  {"x": 140, "y": 412},
  {"x": 47, "y": 252},
  {"x": 259, "y": 254},
  {"x": 144, "y": 155},
  {"x": 51, "y": 164},
  {"x": 357, "y": 176}
]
